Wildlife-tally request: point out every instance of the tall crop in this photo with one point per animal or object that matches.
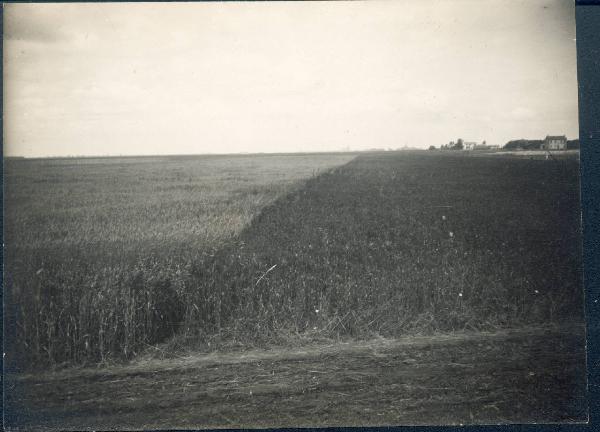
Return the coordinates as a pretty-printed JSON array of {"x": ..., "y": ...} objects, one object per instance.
[
  {"x": 125, "y": 255},
  {"x": 98, "y": 251},
  {"x": 388, "y": 244}
]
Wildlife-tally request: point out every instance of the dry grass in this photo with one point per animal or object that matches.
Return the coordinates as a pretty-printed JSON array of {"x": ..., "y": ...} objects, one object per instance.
[{"x": 529, "y": 375}]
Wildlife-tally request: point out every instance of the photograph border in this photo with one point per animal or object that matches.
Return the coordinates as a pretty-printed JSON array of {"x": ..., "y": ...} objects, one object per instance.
[{"x": 588, "y": 70}]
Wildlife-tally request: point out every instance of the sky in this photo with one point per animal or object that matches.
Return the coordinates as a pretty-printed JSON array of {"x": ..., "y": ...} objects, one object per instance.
[{"x": 191, "y": 78}]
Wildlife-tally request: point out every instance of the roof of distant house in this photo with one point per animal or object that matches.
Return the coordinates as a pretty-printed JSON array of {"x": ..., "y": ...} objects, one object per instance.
[{"x": 550, "y": 137}]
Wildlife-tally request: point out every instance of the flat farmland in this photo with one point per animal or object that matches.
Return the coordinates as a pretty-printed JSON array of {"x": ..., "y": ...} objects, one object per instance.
[
  {"x": 79, "y": 233},
  {"x": 390, "y": 284},
  {"x": 133, "y": 205}
]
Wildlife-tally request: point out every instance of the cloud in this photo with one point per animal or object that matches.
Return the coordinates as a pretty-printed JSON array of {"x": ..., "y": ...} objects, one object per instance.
[
  {"x": 190, "y": 77},
  {"x": 34, "y": 24}
]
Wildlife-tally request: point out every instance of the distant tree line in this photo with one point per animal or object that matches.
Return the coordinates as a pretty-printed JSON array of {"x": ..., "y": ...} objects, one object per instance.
[
  {"x": 524, "y": 144},
  {"x": 458, "y": 145}
]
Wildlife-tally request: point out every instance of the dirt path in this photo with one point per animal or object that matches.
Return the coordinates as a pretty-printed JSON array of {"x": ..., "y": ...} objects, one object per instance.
[{"x": 533, "y": 375}]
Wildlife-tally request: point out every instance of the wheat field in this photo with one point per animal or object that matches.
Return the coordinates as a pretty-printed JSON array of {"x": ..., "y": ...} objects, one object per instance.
[{"x": 96, "y": 249}]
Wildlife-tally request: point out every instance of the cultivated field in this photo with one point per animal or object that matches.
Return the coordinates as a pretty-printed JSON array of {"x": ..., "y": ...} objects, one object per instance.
[
  {"x": 97, "y": 250},
  {"x": 159, "y": 259}
]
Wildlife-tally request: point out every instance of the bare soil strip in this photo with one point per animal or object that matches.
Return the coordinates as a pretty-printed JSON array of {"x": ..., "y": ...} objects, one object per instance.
[{"x": 525, "y": 376}]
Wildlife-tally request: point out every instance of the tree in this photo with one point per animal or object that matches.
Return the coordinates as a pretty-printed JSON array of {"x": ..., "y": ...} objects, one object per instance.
[{"x": 432, "y": 147}]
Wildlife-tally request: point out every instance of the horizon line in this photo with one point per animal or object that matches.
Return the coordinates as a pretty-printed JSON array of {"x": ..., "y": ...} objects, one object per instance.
[{"x": 208, "y": 154}]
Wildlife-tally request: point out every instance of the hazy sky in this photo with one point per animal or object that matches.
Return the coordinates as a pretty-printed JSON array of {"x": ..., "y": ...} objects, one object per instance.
[{"x": 95, "y": 79}]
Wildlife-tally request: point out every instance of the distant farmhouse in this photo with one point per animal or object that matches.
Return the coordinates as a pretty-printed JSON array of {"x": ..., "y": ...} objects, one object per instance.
[
  {"x": 550, "y": 143},
  {"x": 472, "y": 145},
  {"x": 485, "y": 146},
  {"x": 468, "y": 145},
  {"x": 555, "y": 143}
]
